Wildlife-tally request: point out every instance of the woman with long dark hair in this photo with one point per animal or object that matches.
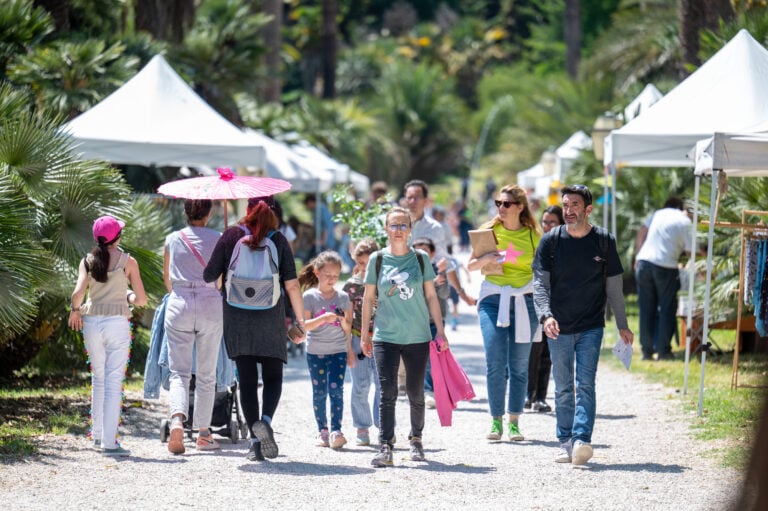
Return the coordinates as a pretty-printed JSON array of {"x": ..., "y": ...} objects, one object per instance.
[{"x": 257, "y": 337}]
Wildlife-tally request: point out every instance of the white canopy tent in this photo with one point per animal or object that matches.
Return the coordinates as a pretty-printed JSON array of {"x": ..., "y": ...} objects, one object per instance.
[
  {"x": 155, "y": 118},
  {"x": 649, "y": 96},
  {"x": 339, "y": 173},
  {"x": 736, "y": 155},
  {"x": 284, "y": 163},
  {"x": 728, "y": 93}
]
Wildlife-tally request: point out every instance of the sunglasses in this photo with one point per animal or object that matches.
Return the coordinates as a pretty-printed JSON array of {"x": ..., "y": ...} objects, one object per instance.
[
  {"x": 398, "y": 227},
  {"x": 506, "y": 203}
]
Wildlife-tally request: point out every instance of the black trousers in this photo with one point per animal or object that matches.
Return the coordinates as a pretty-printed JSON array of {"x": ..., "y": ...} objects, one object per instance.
[
  {"x": 539, "y": 366},
  {"x": 272, "y": 377},
  {"x": 414, "y": 356}
]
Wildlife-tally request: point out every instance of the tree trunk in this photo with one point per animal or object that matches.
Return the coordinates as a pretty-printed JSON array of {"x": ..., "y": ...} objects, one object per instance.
[
  {"x": 272, "y": 87},
  {"x": 166, "y": 20},
  {"x": 691, "y": 22},
  {"x": 59, "y": 11},
  {"x": 572, "y": 36},
  {"x": 716, "y": 10},
  {"x": 328, "y": 47}
]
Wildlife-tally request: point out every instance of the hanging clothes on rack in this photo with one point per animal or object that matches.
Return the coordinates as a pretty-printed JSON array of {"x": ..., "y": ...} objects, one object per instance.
[
  {"x": 760, "y": 294},
  {"x": 750, "y": 270}
]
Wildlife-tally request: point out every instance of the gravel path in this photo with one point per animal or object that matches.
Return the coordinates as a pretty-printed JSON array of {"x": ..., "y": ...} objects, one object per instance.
[{"x": 645, "y": 458}]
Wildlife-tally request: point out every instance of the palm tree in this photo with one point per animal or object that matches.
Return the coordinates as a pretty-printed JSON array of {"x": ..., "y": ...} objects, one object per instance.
[
  {"x": 21, "y": 26},
  {"x": 423, "y": 118},
  {"x": 222, "y": 54},
  {"x": 71, "y": 77},
  {"x": 48, "y": 201}
]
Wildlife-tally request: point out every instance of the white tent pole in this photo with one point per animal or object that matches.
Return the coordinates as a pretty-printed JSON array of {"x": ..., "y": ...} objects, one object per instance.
[
  {"x": 708, "y": 288},
  {"x": 691, "y": 286},
  {"x": 613, "y": 199},
  {"x": 606, "y": 173}
]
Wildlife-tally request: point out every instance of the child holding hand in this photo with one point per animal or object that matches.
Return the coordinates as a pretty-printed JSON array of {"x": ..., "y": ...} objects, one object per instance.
[{"x": 328, "y": 320}]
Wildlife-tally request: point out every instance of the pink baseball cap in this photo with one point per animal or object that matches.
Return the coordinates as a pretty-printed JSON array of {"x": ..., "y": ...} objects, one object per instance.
[{"x": 107, "y": 227}]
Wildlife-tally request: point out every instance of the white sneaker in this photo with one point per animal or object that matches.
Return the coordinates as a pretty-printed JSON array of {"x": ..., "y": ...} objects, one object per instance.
[
  {"x": 582, "y": 452},
  {"x": 564, "y": 453},
  {"x": 429, "y": 400}
]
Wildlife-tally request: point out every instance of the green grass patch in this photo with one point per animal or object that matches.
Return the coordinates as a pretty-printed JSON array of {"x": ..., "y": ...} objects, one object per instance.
[
  {"x": 30, "y": 408},
  {"x": 729, "y": 417}
]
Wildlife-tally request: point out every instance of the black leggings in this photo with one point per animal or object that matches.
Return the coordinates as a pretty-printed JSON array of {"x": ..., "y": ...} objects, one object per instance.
[
  {"x": 272, "y": 376},
  {"x": 414, "y": 358}
]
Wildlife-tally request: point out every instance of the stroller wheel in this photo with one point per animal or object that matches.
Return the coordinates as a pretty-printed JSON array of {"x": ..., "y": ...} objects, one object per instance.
[
  {"x": 234, "y": 431},
  {"x": 164, "y": 430}
]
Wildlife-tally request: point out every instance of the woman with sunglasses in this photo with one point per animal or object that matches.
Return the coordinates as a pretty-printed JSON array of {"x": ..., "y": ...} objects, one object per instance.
[
  {"x": 505, "y": 307},
  {"x": 402, "y": 287}
]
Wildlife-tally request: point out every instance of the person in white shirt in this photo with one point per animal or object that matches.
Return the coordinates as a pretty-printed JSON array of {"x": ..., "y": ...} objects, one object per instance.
[{"x": 658, "y": 277}]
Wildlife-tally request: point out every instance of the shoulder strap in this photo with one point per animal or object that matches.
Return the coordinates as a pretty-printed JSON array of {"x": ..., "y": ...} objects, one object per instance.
[
  {"x": 122, "y": 261},
  {"x": 193, "y": 249},
  {"x": 378, "y": 265},
  {"x": 421, "y": 263}
]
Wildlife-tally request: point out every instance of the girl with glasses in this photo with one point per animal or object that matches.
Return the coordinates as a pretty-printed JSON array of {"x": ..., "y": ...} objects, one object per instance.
[
  {"x": 505, "y": 307},
  {"x": 403, "y": 280}
]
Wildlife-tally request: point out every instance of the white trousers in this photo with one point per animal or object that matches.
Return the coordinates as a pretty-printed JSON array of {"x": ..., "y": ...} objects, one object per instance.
[
  {"x": 193, "y": 323},
  {"x": 108, "y": 343}
]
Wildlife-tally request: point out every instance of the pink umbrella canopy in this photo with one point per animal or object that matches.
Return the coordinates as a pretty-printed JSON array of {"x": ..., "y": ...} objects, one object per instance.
[{"x": 227, "y": 185}]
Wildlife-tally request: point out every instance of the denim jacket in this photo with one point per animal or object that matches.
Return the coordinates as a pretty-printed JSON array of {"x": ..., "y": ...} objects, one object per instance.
[{"x": 156, "y": 371}]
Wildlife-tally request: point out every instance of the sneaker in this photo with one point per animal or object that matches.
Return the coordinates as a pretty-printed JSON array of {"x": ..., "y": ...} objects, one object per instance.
[
  {"x": 429, "y": 400},
  {"x": 541, "y": 406},
  {"x": 454, "y": 324},
  {"x": 254, "y": 452},
  {"x": 323, "y": 438},
  {"x": 527, "y": 404},
  {"x": 263, "y": 431},
  {"x": 513, "y": 432},
  {"x": 564, "y": 453},
  {"x": 363, "y": 438},
  {"x": 496, "y": 430},
  {"x": 117, "y": 451},
  {"x": 207, "y": 443},
  {"x": 383, "y": 458},
  {"x": 337, "y": 440},
  {"x": 582, "y": 452},
  {"x": 417, "y": 450},
  {"x": 176, "y": 442}
]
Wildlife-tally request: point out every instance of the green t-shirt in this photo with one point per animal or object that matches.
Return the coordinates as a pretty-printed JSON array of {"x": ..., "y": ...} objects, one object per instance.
[
  {"x": 402, "y": 316},
  {"x": 519, "y": 247}
]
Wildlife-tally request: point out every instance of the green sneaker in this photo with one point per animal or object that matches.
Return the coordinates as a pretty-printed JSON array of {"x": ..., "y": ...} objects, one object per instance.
[
  {"x": 496, "y": 430},
  {"x": 513, "y": 431}
]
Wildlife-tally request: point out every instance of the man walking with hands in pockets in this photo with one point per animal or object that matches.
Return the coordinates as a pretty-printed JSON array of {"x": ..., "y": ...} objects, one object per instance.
[{"x": 576, "y": 270}]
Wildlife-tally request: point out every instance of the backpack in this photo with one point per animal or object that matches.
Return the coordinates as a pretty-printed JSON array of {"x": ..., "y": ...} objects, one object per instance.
[
  {"x": 253, "y": 277},
  {"x": 602, "y": 243},
  {"x": 379, "y": 257}
]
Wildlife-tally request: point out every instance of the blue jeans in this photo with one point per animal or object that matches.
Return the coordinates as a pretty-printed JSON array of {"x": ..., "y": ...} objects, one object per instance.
[
  {"x": 657, "y": 298},
  {"x": 364, "y": 375},
  {"x": 506, "y": 361},
  {"x": 575, "y": 414},
  {"x": 327, "y": 374}
]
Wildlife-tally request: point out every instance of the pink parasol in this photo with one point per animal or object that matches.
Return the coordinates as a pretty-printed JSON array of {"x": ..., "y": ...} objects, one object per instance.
[{"x": 227, "y": 186}]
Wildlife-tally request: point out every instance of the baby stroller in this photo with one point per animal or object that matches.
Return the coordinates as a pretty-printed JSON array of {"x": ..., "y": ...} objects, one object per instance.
[{"x": 226, "y": 420}]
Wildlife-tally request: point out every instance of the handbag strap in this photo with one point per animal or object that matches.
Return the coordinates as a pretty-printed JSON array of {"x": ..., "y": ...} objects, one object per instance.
[{"x": 193, "y": 249}]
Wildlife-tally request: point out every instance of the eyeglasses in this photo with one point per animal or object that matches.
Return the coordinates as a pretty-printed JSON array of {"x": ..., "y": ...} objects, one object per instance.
[
  {"x": 398, "y": 227},
  {"x": 506, "y": 203}
]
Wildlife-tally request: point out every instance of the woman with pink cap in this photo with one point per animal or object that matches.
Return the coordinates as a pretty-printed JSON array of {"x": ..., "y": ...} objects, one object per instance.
[{"x": 105, "y": 275}]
